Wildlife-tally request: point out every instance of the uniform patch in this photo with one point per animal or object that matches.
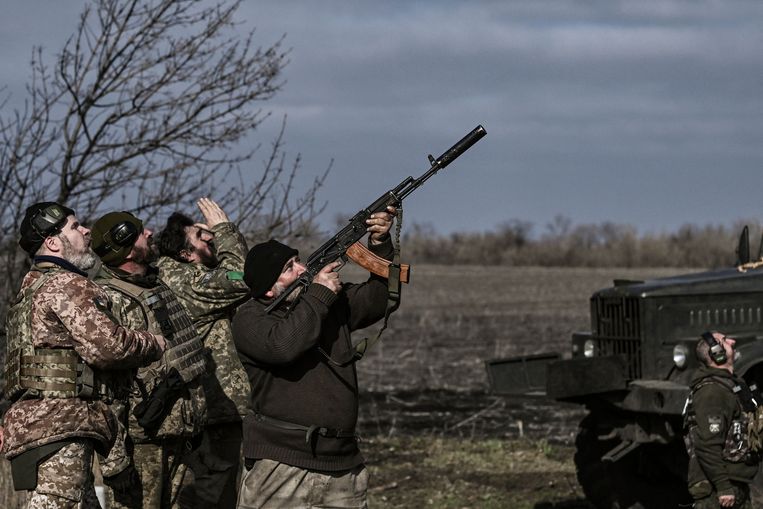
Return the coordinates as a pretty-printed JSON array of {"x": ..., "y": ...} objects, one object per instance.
[
  {"x": 714, "y": 424},
  {"x": 206, "y": 278},
  {"x": 235, "y": 275}
]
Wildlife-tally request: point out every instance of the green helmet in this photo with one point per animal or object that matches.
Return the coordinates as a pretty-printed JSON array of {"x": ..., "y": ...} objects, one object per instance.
[{"x": 113, "y": 236}]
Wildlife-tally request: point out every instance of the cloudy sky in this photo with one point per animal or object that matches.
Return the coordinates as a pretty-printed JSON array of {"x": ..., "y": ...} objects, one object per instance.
[{"x": 641, "y": 112}]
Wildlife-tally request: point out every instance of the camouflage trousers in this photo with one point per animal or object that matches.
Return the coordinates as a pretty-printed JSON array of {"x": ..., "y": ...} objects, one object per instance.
[
  {"x": 741, "y": 495},
  {"x": 161, "y": 471},
  {"x": 273, "y": 485},
  {"x": 65, "y": 480}
]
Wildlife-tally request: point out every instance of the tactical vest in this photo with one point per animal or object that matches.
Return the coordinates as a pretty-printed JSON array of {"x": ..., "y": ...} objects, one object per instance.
[
  {"x": 165, "y": 315},
  {"x": 743, "y": 436},
  {"x": 185, "y": 354},
  {"x": 48, "y": 372}
]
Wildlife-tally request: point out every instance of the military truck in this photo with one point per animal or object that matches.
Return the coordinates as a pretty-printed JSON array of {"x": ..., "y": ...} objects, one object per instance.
[{"x": 632, "y": 370}]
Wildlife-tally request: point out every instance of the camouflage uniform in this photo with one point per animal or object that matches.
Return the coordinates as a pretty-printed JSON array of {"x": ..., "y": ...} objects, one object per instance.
[
  {"x": 720, "y": 460},
  {"x": 211, "y": 297},
  {"x": 158, "y": 455},
  {"x": 68, "y": 312}
]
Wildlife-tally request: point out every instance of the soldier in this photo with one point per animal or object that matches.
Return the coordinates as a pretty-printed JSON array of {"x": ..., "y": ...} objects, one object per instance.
[
  {"x": 300, "y": 446},
  {"x": 167, "y": 409},
  {"x": 720, "y": 428},
  {"x": 62, "y": 344},
  {"x": 203, "y": 265}
]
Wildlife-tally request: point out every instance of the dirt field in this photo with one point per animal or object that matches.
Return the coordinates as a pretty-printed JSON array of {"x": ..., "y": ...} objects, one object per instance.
[{"x": 434, "y": 434}]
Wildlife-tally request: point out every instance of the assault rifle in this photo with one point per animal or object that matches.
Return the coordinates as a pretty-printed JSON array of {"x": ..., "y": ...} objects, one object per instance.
[{"x": 344, "y": 244}]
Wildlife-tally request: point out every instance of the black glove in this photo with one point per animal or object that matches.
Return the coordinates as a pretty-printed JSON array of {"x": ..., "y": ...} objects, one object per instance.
[
  {"x": 151, "y": 412},
  {"x": 125, "y": 481}
]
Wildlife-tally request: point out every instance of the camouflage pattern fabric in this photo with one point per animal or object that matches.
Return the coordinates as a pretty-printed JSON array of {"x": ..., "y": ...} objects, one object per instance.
[
  {"x": 211, "y": 297},
  {"x": 65, "y": 480},
  {"x": 120, "y": 456},
  {"x": 68, "y": 311},
  {"x": 160, "y": 464},
  {"x": 187, "y": 415},
  {"x": 162, "y": 471},
  {"x": 270, "y": 484}
]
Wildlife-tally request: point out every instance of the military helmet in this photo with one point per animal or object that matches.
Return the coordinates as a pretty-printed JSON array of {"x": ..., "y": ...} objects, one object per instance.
[
  {"x": 113, "y": 236},
  {"x": 42, "y": 220}
]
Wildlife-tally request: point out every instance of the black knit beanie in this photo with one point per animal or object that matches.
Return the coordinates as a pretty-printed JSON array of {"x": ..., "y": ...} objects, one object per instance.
[{"x": 264, "y": 264}]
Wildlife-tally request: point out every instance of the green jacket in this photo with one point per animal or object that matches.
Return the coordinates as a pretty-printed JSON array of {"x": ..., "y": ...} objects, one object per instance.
[
  {"x": 715, "y": 408},
  {"x": 211, "y": 296}
]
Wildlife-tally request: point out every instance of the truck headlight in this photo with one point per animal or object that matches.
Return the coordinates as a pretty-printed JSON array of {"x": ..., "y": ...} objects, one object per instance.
[
  {"x": 680, "y": 355},
  {"x": 589, "y": 348}
]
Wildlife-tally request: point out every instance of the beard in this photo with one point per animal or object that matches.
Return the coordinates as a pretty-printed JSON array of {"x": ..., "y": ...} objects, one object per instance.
[
  {"x": 208, "y": 260},
  {"x": 84, "y": 259},
  {"x": 145, "y": 255},
  {"x": 278, "y": 289}
]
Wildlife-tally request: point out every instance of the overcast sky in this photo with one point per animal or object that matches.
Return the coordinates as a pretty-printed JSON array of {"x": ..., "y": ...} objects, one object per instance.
[{"x": 641, "y": 112}]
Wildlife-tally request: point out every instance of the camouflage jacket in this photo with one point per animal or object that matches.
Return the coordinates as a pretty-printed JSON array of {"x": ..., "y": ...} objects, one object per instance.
[
  {"x": 70, "y": 311},
  {"x": 714, "y": 410},
  {"x": 211, "y": 296},
  {"x": 188, "y": 414}
]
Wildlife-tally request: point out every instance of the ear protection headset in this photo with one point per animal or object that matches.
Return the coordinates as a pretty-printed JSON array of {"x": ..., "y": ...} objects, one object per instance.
[
  {"x": 717, "y": 352},
  {"x": 120, "y": 235},
  {"x": 49, "y": 220}
]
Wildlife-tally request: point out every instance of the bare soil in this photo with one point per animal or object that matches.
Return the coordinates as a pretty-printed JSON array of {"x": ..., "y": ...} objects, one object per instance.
[{"x": 436, "y": 434}]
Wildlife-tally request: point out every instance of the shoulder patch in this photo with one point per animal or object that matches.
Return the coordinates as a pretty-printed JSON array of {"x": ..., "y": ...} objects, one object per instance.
[
  {"x": 235, "y": 275},
  {"x": 714, "y": 423}
]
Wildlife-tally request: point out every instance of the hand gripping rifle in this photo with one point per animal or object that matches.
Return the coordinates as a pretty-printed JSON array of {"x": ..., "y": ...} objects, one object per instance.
[{"x": 342, "y": 245}]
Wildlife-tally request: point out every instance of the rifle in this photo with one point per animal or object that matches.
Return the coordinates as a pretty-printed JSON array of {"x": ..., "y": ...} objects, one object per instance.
[{"x": 342, "y": 245}]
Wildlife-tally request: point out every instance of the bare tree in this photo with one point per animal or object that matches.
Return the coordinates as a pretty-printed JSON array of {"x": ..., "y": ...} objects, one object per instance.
[{"x": 146, "y": 108}]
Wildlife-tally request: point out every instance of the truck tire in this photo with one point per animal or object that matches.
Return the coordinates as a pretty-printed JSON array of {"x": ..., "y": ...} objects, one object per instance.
[{"x": 645, "y": 478}]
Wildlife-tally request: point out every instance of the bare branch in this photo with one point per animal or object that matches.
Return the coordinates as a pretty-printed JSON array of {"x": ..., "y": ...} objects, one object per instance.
[{"x": 146, "y": 109}]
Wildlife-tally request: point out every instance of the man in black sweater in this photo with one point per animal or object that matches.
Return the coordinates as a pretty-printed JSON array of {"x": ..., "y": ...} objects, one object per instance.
[{"x": 300, "y": 444}]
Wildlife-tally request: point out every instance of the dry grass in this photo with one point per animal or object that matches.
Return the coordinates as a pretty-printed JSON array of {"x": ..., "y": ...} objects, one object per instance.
[
  {"x": 409, "y": 472},
  {"x": 453, "y": 318}
]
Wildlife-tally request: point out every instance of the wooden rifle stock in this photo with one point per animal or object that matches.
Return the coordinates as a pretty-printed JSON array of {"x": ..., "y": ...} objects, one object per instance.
[{"x": 373, "y": 263}]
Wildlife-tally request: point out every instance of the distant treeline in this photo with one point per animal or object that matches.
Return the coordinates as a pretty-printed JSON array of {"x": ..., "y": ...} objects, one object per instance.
[{"x": 564, "y": 244}]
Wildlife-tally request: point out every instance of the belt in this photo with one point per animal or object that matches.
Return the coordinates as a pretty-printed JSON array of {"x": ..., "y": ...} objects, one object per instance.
[{"x": 310, "y": 431}]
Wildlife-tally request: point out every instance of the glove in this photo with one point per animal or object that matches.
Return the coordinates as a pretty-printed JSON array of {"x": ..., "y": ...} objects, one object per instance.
[
  {"x": 151, "y": 412},
  {"x": 125, "y": 481}
]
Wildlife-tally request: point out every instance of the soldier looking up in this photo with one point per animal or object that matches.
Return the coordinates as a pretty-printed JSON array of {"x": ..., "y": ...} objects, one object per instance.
[
  {"x": 719, "y": 414},
  {"x": 60, "y": 319},
  {"x": 203, "y": 264},
  {"x": 167, "y": 408},
  {"x": 300, "y": 446}
]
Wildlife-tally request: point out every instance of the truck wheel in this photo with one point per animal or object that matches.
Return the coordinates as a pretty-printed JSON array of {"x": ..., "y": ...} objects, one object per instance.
[{"x": 645, "y": 478}]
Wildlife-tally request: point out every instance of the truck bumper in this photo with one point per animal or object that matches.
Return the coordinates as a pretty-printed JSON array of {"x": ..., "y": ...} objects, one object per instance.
[
  {"x": 573, "y": 378},
  {"x": 525, "y": 375},
  {"x": 606, "y": 377}
]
